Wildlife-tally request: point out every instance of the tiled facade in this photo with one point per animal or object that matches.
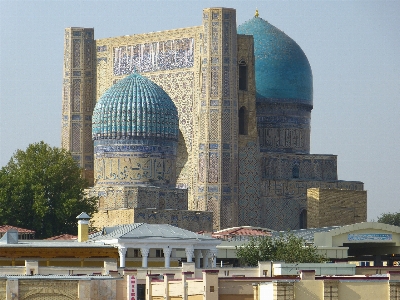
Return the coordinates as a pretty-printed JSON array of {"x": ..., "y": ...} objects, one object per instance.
[
  {"x": 243, "y": 153},
  {"x": 78, "y": 96}
]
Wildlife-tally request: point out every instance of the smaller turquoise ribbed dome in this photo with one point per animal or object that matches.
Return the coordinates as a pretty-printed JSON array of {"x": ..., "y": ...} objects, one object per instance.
[
  {"x": 135, "y": 107},
  {"x": 282, "y": 69}
]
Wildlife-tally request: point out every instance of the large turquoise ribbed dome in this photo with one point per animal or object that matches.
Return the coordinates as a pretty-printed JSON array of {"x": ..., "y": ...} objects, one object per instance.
[
  {"x": 282, "y": 70},
  {"x": 135, "y": 107}
]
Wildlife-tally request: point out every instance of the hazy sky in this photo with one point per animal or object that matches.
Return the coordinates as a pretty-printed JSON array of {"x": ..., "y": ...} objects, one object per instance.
[{"x": 353, "y": 48}]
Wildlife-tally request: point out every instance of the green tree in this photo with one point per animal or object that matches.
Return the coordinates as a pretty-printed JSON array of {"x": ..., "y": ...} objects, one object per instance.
[
  {"x": 42, "y": 189},
  {"x": 390, "y": 218},
  {"x": 288, "y": 248}
]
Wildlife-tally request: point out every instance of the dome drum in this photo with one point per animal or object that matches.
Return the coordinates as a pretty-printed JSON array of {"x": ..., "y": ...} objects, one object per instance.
[
  {"x": 284, "y": 128},
  {"x": 135, "y": 169},
  {"x": 167, "y": 147}
]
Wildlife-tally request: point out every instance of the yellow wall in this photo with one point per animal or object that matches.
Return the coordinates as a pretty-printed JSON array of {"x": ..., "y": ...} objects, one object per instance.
[
  {"x": 7, "y": 263},
  {"x": 236, "y": 297},
  {"x": 235, "y": 287},
  {"x": 365, "y": 290},
  {"x": 150, "y": 264},
  {"x": 70, "y": 263},
  {"x": 3, "y": 286},
  {"x": 91, "y": 263},
  {"x": 121, "y": 289},
  {"x": 193, "y": 297},
  {"x": 57, "y": 263},
  {"x": 309, "y": 290}
]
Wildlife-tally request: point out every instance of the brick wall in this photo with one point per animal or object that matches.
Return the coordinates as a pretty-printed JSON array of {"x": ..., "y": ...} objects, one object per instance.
[{"x": 331, "y": 207}]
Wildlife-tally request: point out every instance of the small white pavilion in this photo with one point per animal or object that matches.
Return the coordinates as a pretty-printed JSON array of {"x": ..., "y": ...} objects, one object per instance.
[{"x": 169, "y": 238}]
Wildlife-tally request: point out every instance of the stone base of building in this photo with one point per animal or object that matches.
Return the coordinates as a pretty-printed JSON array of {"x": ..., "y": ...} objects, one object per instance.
[
  {"x": 334, "y": 207},
  {"x": 186, "y": 219},
  {"x": 117, "y": 197}
]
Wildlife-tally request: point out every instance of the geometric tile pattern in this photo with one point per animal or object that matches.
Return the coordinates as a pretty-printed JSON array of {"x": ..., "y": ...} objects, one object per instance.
[
  {"x": 213, "y": 168},
  {"x": 48, "y": 289},
  {"x": 249, "y": 183},
  {"x": 78, "y": 96},
  {"x": 256, "y": 177},
  {"x": 217, "y": 68},
  {"x": 310, "y": 166}
]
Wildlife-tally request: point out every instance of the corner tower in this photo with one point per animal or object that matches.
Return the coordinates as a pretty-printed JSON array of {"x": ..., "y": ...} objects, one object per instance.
[
  {"x": 216, "y": 181},
  {"x": 78, "y": 97}
]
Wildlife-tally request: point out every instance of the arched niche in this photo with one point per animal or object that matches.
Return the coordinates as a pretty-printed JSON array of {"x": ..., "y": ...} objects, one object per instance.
[
  {"x": 181, "y": 159},
  {"x": 243, "y": 121}
]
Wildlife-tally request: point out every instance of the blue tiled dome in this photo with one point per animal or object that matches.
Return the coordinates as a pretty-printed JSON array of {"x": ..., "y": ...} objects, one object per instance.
[
  {"x": 135, "y": 107},
  {"x": 282, "y": 70}
]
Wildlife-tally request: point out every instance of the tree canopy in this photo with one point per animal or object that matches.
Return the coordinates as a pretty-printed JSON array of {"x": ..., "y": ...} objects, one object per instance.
[
  {"x": 288, "y": 248},
  {"x": 41, "y": 189},
  {"x": 390, "y": 218}
]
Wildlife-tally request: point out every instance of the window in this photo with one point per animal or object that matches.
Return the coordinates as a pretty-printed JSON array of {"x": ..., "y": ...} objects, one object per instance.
[
  {"x": 136, "y": 253},
  {"x": 303, "y": 219},
  {"x": 296, "y": 171},
  {"x": 211, "y": 289},
  {"x": 242, "y": 76},
  {"x": 243, "y": 120},
  {"x": 159, "y": 253}
]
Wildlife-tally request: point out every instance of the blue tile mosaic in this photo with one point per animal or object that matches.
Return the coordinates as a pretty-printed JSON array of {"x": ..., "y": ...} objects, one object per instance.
[
  {"x": 214, "y": 102},
  {"x": 135, "y": 107},
  {"x": 151, "y": 57},
  {"x": 282, "y": 69},
  {"x": 213, "y": 188}
]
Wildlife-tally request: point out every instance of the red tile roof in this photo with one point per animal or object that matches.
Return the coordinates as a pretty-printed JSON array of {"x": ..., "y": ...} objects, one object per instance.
[
  {"x": 5, "y": 228},
  {"x": 241, "y": 231},
  {"x": 63, "y": 237}
]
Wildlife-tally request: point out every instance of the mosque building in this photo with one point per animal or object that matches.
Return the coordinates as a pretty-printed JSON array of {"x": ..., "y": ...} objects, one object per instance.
[{"x": 205, "y": 127}]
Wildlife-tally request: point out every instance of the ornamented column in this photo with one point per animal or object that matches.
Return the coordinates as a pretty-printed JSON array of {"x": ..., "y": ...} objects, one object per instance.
[
  {"x": 197, "y": 254},
  {"x": 216, "y": 181},
  {"x": 189, "y": 253},
  {"x": 167, "y": 256},
  {"x": 78, "y": 97},
  {"x": 205, "y": 254},
  {"x": 122, "y": 253},
  {"x": 145, "y": 252}
]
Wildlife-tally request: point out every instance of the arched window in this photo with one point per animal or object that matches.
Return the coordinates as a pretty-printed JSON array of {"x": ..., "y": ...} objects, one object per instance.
[
  {"x": 243, "y": 120},
  {"x": 303, "y": 219},
  {"x": 296, "y": 171},
  {"x": 242, "y": 76}
]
